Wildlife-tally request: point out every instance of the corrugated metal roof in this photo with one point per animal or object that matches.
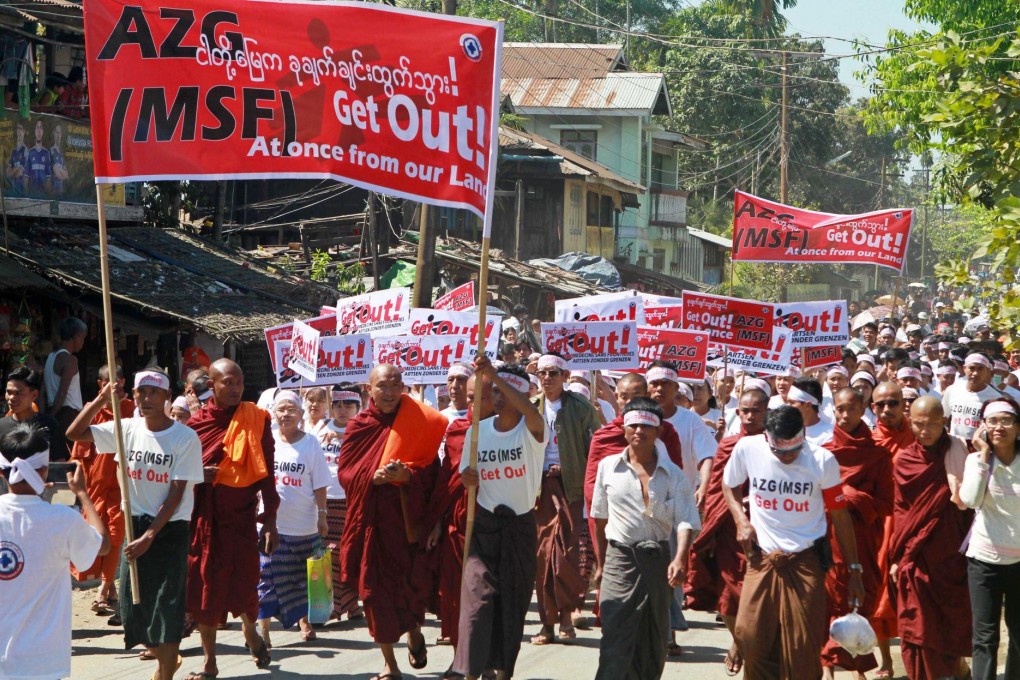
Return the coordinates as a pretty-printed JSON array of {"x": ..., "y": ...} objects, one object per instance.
[
  {"x": 619, "y": 93},
  {"x": 710, "y": 237},
  {"x": 14, "y": 275},
  {"x": 560, "y": 60}
]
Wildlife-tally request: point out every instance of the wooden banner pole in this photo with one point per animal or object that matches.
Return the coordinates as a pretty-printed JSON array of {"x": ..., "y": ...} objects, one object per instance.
[
  {"x": 476, "y": 408},
  {"x": 111, "y": 363}
]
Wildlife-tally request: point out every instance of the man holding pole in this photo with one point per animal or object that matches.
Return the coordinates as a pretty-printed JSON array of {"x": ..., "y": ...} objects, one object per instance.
[
  {"x": 499, "y": 572},
  {"x": 223, "y": 565}
]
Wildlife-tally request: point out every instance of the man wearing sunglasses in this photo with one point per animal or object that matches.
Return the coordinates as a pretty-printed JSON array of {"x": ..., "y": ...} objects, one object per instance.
[{"x": 782, "y": 617}]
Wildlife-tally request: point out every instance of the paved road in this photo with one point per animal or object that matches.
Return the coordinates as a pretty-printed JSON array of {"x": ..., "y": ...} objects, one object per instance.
[{"x": 345, "y": 650}]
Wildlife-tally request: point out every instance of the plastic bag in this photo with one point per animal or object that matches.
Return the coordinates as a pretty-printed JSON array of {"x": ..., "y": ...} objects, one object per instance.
[
  {"x": 320, "y": 587},
  {"x": 853, "y": 633}
]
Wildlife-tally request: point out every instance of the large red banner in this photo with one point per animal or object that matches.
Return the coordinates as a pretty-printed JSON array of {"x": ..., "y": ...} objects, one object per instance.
[
  {"x": 688, "y": 350},
  {"x": 764, "y": 231},
  {"x": 392, "y": 100},
  {"x": 730, "y": 321}
]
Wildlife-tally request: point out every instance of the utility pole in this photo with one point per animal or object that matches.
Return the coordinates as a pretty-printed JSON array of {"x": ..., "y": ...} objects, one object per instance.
[
  {"x": 784, "y": 135},
  {"x": 924, "y": 227},
  {"x": 881, "y": 204},
  {"x": 372, "y": 228}
]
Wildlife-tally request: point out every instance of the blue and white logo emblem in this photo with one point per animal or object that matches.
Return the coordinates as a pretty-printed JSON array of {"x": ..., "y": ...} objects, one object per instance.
[
  {"x": 471, "y": 46},
  {"x": 12, "y": 561}
]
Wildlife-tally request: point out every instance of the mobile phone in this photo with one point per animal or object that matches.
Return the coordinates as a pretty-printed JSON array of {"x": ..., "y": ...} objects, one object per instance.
[
  {"x": 57, "y": 472},
  {"x": 392, "y": 467}
]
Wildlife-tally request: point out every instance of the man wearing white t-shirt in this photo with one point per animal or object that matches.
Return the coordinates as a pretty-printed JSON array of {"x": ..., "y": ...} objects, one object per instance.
[
  {"x": 499, "y": 574},
  {"x": 37, "y": 540},
  {"x": 963, "y": 401},
  {"x": 164, "y": 462},
  {"x": 456, "y": 386},
  {"x": 806, "y": 396},
  {"x": 781, "y": 619}
]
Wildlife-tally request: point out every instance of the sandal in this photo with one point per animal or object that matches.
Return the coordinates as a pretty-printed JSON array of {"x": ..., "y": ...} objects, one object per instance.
[
  {"x": 883, "y": 674},
  {"x": 567, "y": 633},
  {"x": 673, "y": 649},
  {"x": 733, "y": 666},
  {"x": 102, "y": 607},
  {"x": 262, "y": 657},
  {"x": 541, "y": 639},
  {"x": 146, "y": 655},
  {"x": 418, "y": 658},
  {"x": 443, "y": 642},
  {"x": 308, "y": 635},
  {"x": 201, "y": 675}
]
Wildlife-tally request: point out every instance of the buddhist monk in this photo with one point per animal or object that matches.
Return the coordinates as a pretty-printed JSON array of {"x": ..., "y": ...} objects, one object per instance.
[
  {"x": 892, "y": 432},
  {"x": 446, "y": 512},
  {"x": 386, "y": 499},
  {"x": 866, "y": 472},
  {"x": 223, "y": 565},
  {"x": 717, "y": 563},
  {"x": 104, "y": 492},
  {"x": 928, "y": 576}
]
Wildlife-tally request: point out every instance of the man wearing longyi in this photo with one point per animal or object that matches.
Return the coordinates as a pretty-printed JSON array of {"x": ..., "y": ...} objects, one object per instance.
[
  {"x": 388, "y": 467},
  {"x": 223, "y": 564}
]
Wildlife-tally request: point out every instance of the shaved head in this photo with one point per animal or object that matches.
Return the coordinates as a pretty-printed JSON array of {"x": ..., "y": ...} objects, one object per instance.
[
  {"x": 887, "y": 404},
  {"x": 227, "y": 383},
  {"x": 927, "y": 420},
  {"x": 222, "y": 366},
  {"x": 386, "y": 385},
  {"x": 928, "y": 406}
]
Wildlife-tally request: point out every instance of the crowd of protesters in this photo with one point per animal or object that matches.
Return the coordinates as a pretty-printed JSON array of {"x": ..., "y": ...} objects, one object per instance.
[{"x": 779, "y": 502}]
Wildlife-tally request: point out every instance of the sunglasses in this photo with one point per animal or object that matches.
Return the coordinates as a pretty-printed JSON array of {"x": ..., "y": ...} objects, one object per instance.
[
  {"x": 549, "y": 374},
  {"x": 890, "y": 403}
]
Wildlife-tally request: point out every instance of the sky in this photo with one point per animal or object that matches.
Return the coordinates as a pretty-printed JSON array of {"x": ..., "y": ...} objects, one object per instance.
[{"x": 866, "y": 20}]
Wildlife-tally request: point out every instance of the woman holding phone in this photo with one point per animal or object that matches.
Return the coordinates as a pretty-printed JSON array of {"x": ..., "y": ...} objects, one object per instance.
[{"x": 991, "y": 485}]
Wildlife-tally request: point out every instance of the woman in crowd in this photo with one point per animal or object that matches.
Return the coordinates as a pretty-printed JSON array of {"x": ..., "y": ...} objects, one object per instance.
[
  {"x": 317, "y": 415},
  {"x": 301, "y": 480},
  {"x": 990, "y": 480},
  {"x": 704, "y": 404},
  {"x": 163, "y": 468},
  {"x": 346, "y": 402}
]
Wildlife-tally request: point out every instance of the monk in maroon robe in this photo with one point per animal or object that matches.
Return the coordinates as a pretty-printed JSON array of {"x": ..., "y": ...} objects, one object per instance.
[
  {"x": 866, "y": 472},
  {"x": 928, "y": 573},
  {"x": 223, "y": 564},
  {"x": 447, "y": 514},
  {"x": 385, "y": 508},
  {"x": 717, "y": 564}
]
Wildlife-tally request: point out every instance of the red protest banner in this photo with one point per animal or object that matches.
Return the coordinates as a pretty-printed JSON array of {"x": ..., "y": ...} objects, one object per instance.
[
  {"x": 666, "y": 316},
  {"x": 392, "y": 100},
  {"x": 815, "y": 323},
  {"x": 813, "y": 357},
  {"x": 326, "y": 325},
  {"x": 687, "y": 349},
  {"x": 457, "y": 300},
  {"x": 764, "y": 231},
  {"x": 595, "y": 345},
  {"x": 624, "y": 306},
  {"x": 381, "y": 312},
  {"x": 730, "y": 321},
  {"x": 304, "y": 350}
]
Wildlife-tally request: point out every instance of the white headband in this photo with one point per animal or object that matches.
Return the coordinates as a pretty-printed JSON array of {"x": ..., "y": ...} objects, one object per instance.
[
  {"x": 946, "y": 370},
  {"x": 786, "y": 445},
  {"x": 205, "y": 396},
  {"x": 926, "y": 369},
  {"x": 442, "y": 391},
  {"x": 977, "y": 360},
  {"x": 24, "y": 469},
  {"x": 839, "y": 369},
  {"x": 944, "y": 345},
  {"x": 460, "y": 371},
  {"x": 661, "y": 373},
  {"x": 1001, "y": 366},
  {"x": 792, "y": 372},
  {"x": 758, "y": 384},
  {"x": 152, "y": 379},
  {"x": 996, "y": 407},
  {"x": 580, "y": 375},
  {"x": 866, "y": 358},
  {"x": 863, "y": 375},
  {"x": 346, "y": 395},
  {"x": 580, "y": 389},
  {"x": 686, "y": 390},
  {"x": 797, "y": 394},
  {"x": 908, "y": 372},
  {"x": 517, "y": 382},
  {"x": 631, "y": 418},
  {"x": 547, "y": 361},
  {"x": 909, "y": 393},
  {"x": 181, "y": 402},
  {"x": 963, "y": 340},
  {"x": 534, "y": 380},
  {"x": 289, "y": 397}
]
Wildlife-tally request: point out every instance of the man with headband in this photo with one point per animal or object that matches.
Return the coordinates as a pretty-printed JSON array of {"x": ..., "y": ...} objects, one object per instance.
[
  {"x": 641, "y": 501},
  {"x": 456, "y": 383},
  {"x": 781, "y": 621},
  {"x": 499, "y": 574},
  {"x": 164, "y": 464},
  {"x": 963, "y": 401},
  {"x": 805, "y": 395},
  {"x": 238, "y": 455},
  {"x": 717, "y": 562},
  {"x": 572, "y": 420},
  {"x": 38, "y": 541},
  {"x": 22, "y": 391},
  {"x": 866, "y": 473}
]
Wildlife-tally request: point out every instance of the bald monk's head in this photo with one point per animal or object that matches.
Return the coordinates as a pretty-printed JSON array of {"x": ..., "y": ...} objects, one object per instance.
[
  {"x": 848, "y": 407},
  {"x": 472, "y": 385},
  {"x": 927, "y": 420},
  {"x": 385, "y": 385},
  {"x": 887, "y": 403},
  {"x": 227, "y": 383}
]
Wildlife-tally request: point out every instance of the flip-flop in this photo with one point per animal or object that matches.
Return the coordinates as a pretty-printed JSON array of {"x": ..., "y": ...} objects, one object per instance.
[
  {"x": 308, "y": 635},
  {"x": 732, "y": 665},
  {"x": 146, "y": 655},
  {"x": 201, "y": 675},
  {"x": 418, "y": 658},
  {"x": 673, "y": 649},
  {"x": 567, "y": 634},
  {"x": 883, "y": 674},
  {"x": 541, "y": 639},
  {"x": 262, "y": 657}
]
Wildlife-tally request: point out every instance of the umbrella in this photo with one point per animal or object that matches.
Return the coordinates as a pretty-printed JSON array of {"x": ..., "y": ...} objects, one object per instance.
[
  {"x": 861, "y": 319},
  {"x": 889, "y": 300},
  {"x": 917, "y": 285}
]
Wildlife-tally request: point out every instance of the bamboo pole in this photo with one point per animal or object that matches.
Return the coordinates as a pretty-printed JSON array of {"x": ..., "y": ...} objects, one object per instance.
[
  {"x": 476, "y": 409},
  {"x": 111, "y": 362}
]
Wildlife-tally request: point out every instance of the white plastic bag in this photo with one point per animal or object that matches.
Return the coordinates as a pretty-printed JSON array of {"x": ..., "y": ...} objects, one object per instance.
[{"x": 853, "y": 633}]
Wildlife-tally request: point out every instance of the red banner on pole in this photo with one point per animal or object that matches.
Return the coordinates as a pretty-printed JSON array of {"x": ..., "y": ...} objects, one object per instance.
[
  {"x": 764, "y": 231},
  {"x": 814, "y": 357},
  {"x": 730, "y": 321},
  {"x": 392, "y": 100},
  {"x": 687, "y": 349}
]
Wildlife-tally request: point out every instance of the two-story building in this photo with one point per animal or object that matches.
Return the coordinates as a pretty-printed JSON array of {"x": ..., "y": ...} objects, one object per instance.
[{"x": 584, "y": 98}]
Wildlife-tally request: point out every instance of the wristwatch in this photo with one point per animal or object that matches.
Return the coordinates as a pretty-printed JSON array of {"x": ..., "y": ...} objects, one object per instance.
[{"x": 855, "y": 567}]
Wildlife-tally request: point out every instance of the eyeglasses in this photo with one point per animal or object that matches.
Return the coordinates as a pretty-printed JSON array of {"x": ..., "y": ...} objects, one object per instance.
[
  {"x": 888, "y": 403},
  {"x": 908, "y": 402},
  {"x": 1005, "y": 421},
  {"x": 549, "y": 374}
]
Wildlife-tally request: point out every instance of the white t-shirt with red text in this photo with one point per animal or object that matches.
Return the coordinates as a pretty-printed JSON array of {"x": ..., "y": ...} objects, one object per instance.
[
  {"x": 300, "y": 469},
  {"x": 788, "y": 502},
  {"x": 154, "y": 460},
  {"x": 963, "y": 408},
  {"x": 509, "y": 466},
  {"x": 330, "y": 439}
]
